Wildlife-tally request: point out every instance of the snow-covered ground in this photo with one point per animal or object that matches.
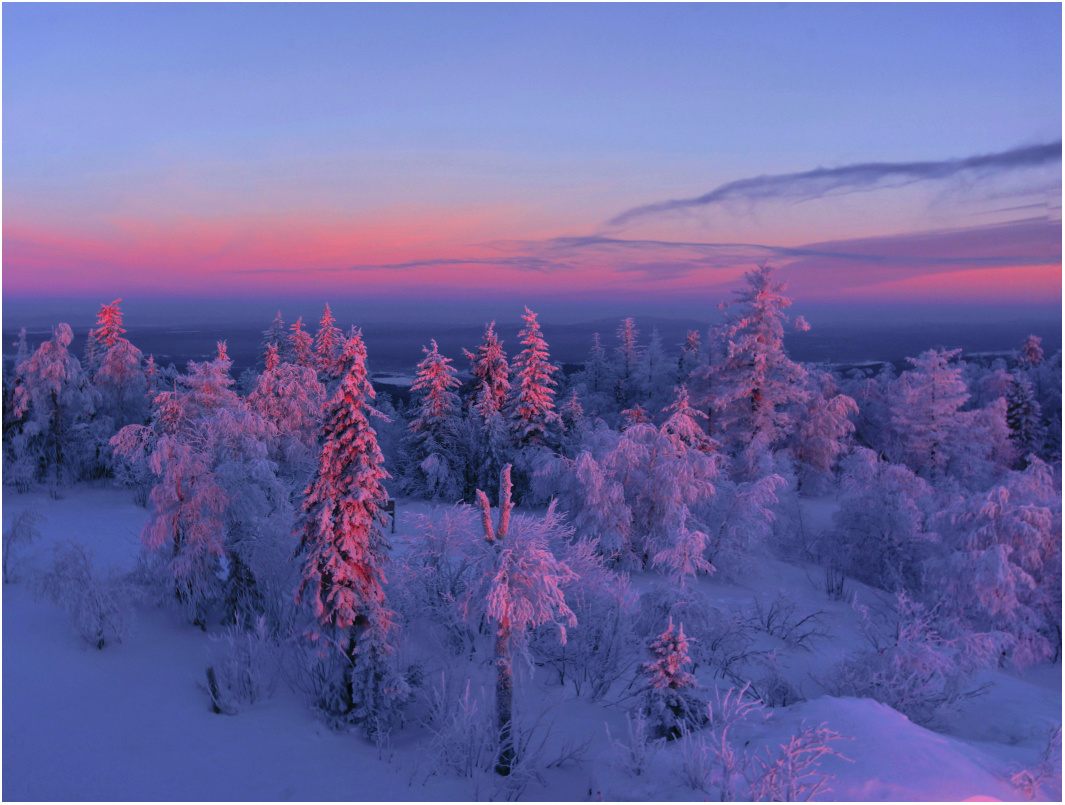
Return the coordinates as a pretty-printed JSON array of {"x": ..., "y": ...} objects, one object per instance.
[{"x": 132, "y": 722}]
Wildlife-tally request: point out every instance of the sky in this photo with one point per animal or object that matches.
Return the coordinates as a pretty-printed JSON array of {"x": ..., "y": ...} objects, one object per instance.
[{"x": 589, "y": 158}]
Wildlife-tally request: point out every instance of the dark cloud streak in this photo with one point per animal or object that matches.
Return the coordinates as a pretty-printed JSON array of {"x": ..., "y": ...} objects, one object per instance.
[{"x": 848, "y": 179}]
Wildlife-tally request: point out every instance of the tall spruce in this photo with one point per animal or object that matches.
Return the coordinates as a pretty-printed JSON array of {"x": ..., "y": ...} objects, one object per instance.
[{"x": 532, "y": 394}]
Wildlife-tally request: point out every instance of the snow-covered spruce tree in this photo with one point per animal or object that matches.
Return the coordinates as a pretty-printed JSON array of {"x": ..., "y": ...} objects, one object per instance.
[
  {"x": 301, "y": 345},
  {"x": 654, "y": 374},
  {"x": 626, "y": 363},
  {"x": 1004, "y": 573},
  {"x": 275, "y": 336},
  {"x": 571, "y": 413},
  {"x": 756, "y": 385},
  {"x": 925, "y": 403},
  {"x": 823, "y": 433},
  {"x": 491, "y": 374},
  {"x": 521, "y": 587},
  {"x": 596, "y": 378},
  {"x": 1031, "y": 354},
  {"x": 344, "y": 550},
  {"x": 119, "y": 376},
  {"x": 327, "y": 343},
  {"x": 436, "y": 465},
  {"x": 491, "y": 439},
  {"x": 668, "y": 696},
  {"x": 1025, "y": 418},
  {"x": 291, "y": 398},
  {"x": 531, "y": 404},
  {"x": 689, "y": 356},
  {"x": 54, "y": 401}
]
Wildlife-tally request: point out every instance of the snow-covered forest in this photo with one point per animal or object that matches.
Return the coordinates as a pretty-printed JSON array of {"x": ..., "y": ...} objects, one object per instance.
[{"x": 684, "y": 571}]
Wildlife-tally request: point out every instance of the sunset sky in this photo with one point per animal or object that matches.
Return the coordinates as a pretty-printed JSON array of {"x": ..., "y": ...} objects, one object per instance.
[{"x": 634, "y": 157}]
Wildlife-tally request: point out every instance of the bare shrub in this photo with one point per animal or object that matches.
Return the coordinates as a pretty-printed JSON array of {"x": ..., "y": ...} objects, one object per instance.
[
  {"x": 22, "y": 532},
  {"x": 792, "y": 775},
  {"x": 247, "y": 671},
  {"x": 100, "y": 608}
]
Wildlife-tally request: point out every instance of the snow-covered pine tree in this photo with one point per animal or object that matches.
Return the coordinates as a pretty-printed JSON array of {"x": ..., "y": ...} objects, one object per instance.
[
  {"x": 689, "y": 356},
  {"x": 1031, "y": 352},
  {"x": 924, "y": 412},
  {"x": 275, "y": 336},
  {"x": 626, "y": 362},
  {"x": 344, "y": 550},
  {"x": 682, "y": 426},
  {"x": 327, "y": 343},
  {"x": 571, "y": 413},
  {"x": 291, "y": 398},
  {"x": 823, "y": 432},
  {"x": 756, "y": 385},
  {"x": 301, "y": 345},
  {"x": 55, "y": 401},
  {"x": 119, "y": 376},
  {"x": 1025, "y": 418},
  {"x": 532, "y": 396},
  {"x": 436, "y": 468},
  {"x": 654, "y": 373},
  {"x": 668, "y": 698},
  {"x": 491, "y": 375}
]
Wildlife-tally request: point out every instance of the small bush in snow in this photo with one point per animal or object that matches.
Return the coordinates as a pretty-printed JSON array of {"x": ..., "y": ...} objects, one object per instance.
[
  {"x": 792, "y": 776},
  {"x": 1043, "y": 780},
  {"x": 247, "y": 670},
  {"x": 634, "y": 758},
  {"x": 912, "y": 663},
  {"x": 21, "y": 533},
  {"x": 100, "y": 609}
]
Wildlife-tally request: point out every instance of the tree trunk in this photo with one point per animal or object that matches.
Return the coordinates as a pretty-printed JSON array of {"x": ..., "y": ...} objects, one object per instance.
[{"x": 504, "y": 700}]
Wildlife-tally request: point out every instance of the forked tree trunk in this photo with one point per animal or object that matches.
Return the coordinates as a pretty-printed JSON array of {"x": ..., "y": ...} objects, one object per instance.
[{"x": 504, "y": 666}]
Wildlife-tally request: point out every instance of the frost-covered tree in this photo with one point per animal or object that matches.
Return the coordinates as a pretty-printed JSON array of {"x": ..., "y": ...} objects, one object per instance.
[
  {"x": 756, "y": 385},
  {"x": 924, "y": 412},
  {"x": 521, "y": 587},
  {"x": 1004, "y": 573},
  {"x": 668, "y": 697},
  {"x": 1024, "y": 417},
  {"x": 1031, "y": 354},
  {"x": 532, "y": 395},
  {"x": 491, "y": 375},
  {"x": 683, "y": 426},
  {"x": 118, "y": 376},
  {"x": 626, "y": 363},
  {"x": 689, "y": 356},
  {"x": 654, "y": 374},
  {"x": 436, "y": 466},
  {"x": 327, "y": 343},
  {"x": 596, "y": 378},
  {"x": 571, "y": 413},
  {"x": 291, "y": 398},
  {"x": 822, "y": 435},
  {"x": 54, "y": 401},
  {"x": 275, "y": 336},
  {"x": 881, "y": 534},
  {"x": 344, "y": 550},
  {"x": 301, "y": 345}
]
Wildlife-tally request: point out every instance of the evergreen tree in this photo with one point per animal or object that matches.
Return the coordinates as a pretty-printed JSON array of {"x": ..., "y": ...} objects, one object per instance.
[
  {"x": 654, "y": 375},
  {"x": 756, "y": 385},
  {"x": 689, "y": 356},
  {"x": 55, "y": 401},
  {"x": 531, "y": 404},
  {"x": 924, "y": 415},
  {"x": 344, "y": 548},
  {"x": 327, "y": 342},
  {"x": 626, "y": 360},
  {"x": 275, "y": 336},
  {"x": 668, "y": 698},
  {"x": 290, "y": 398},
  {"x": 301, "y": 345},
  {"x": 1031, "y": 352},
  {"x": 119, "y": 376},
  {"x": 436, "y": 466},
  {"x": 490, "y": 374},
  {"x": 1024, "y": 417}
]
